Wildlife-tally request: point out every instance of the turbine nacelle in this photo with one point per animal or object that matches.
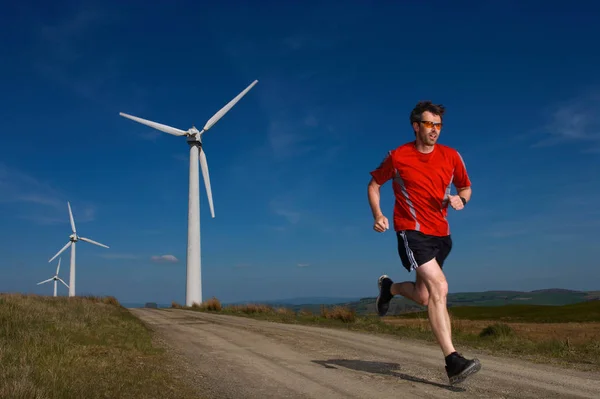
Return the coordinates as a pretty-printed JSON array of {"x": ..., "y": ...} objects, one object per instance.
[
  {"x": 194, "y": 135},
  {"x": 193, "y": 131}
]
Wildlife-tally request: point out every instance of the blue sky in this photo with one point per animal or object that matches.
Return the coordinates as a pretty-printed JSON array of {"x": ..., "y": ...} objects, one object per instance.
[{"x": 290, "y": 162}]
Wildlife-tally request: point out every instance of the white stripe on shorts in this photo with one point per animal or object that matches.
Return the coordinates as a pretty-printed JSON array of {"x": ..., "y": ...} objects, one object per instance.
[{"x": 409, "y": 252}]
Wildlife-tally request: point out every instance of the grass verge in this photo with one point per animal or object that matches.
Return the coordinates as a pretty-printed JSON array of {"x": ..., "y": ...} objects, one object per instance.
[
  {"x": 583, "y": 312},
  {"x": 80, "y": 347},
  {"x": 569, "y": 344}
]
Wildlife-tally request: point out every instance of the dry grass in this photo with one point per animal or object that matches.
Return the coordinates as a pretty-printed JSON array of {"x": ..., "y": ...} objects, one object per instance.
[
  {"x": 81, "y": 347},
  {"x": 344, "y": 314},
  {"x": 578, "y": 333},
  {"x": 250, "y": 309},
  {"x": 285, "y": 312},
  {"x": 338, "y": 313},
  {"x": 212, "y": 304},
  {"x": 176, "y": 305},
  {"x": 107, "y": 300},
  {"x": 305, "y": 313}
]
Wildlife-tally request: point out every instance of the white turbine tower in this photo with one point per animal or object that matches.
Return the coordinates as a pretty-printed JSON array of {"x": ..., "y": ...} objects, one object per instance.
[
  {"x": 55, "y": 278},
  {"x": 73, "y": 238},
  {"x": 194, "y": 138}
]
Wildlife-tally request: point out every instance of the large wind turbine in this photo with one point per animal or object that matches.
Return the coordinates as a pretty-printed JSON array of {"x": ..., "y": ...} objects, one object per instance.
[
  {"x": 73, "y": 238},
  {"x": 55, "y": 278},
  {"x": 194, "y": 138}
]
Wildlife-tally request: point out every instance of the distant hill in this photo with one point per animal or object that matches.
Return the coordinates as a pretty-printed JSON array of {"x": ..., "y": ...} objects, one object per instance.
[{"x": 555, "y": 290}]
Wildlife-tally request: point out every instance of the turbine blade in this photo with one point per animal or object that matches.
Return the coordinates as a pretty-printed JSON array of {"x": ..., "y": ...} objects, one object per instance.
[
  {"x": 204, "y": 167},
  {"x": 92, "y": 242},
  {"x": 71, "y": 217},
  {"x": 61, "y": 280},
  {"x": 211, "y": 122},
  {"x": 58, "y": 268},
  {"x": 155, "y": 125},
  {"x": 59, "y": 252},
  {"x": 45, "y": 281}
]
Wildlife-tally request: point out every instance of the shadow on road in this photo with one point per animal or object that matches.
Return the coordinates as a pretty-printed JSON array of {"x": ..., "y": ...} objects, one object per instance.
[{"x": 381, "y": 368}]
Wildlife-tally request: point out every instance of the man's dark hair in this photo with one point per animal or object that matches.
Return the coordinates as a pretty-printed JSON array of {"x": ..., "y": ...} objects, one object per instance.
[{"x": 422, "y": 106}]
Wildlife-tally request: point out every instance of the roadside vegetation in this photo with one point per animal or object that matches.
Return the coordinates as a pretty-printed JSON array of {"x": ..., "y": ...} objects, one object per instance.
[
  {"x": 582, "y": 312},
  {"x": 80, "y": 347},
  {"x": 567, "y": 335}
]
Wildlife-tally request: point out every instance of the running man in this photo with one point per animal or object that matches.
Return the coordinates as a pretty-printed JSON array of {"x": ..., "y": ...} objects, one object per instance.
[{"x": 423, "y": 173}]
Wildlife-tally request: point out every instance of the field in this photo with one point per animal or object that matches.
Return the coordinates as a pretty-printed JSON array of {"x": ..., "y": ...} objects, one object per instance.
[
  {"x": 576, "y": 333},
  {"x": 80, "y": 348},
  {"x": 578, "y": 312},
  {"x": 567, "y": 335}
]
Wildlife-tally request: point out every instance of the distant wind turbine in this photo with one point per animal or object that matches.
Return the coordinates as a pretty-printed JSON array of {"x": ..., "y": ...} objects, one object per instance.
[
  {"x": 73, "y": 238},
  {"x": 194, "y": 140},
  {"x": 55, "y": 278}
]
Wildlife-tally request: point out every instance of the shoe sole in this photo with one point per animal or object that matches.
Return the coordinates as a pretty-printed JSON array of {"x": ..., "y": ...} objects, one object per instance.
[
  {"x": 469, "y": 371},
  {"x": 377, "y": 309},
  {"x": 381, "y": 278}
]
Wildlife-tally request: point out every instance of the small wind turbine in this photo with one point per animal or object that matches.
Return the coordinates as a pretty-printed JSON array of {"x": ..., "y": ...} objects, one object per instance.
[
  {"x": 55, "y": 278},
  {"x": 73, "y": 238},
  {"x": 194, "y": 139}
]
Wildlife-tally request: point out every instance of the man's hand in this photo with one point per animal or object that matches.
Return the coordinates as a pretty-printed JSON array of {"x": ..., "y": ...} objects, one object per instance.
[
  {"x": 455, "y": 202},
  {"x": 382, "y": 224}
]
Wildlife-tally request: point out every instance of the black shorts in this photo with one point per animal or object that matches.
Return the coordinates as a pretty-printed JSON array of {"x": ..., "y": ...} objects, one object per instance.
[{"x": 416, "y": 248}]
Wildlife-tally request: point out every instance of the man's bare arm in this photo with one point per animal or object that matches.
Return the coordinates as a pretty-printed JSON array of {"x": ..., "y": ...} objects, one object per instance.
[
  {"x": 381, "y": 222},
  {"x": 374, "y": 198}
]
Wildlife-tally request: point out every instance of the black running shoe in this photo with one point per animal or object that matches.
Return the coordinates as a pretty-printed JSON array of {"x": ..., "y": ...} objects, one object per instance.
[
  {"x": 458, "y": 368},
  {"x": 382, "y": 303}
]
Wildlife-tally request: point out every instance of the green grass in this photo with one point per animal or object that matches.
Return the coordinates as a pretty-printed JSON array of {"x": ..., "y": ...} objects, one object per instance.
[
  {"x": 583, "y": 312},
  {"x": 80, "y": 348}
]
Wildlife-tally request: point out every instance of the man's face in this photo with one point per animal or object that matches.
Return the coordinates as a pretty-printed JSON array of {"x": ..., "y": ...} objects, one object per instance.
[{"x": 428, "y": 130}]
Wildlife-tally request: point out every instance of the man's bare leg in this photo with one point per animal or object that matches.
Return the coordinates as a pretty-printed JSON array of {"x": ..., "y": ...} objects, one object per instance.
[
  {"x": 430, "y": 289},
  {"x": 415, "y": 291},
  {"x": 433, "y": 278}
]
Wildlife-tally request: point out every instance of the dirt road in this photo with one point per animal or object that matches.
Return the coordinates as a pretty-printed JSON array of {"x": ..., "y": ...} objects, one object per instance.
[{"x": 236, "y": 357}]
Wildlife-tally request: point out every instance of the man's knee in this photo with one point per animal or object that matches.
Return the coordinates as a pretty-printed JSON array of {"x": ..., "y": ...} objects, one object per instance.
[
  {"x": 433, "y": 278},
  {"x": 439, "y": 290}
]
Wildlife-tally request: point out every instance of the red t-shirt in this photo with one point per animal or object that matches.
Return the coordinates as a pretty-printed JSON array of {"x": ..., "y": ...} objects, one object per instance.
[{"x": 421, "y": 184}]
